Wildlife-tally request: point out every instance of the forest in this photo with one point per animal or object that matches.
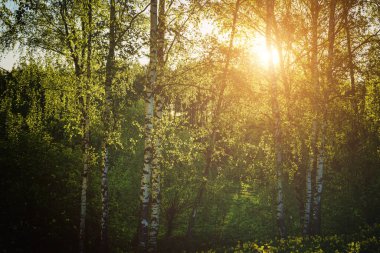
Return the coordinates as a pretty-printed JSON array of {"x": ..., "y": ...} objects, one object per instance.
[{"x": 190, "y": 126}]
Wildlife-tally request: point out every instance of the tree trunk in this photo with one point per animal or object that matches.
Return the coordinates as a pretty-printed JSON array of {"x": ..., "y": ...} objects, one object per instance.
[
  {"x": 300, "y": 177},
  {"x": 316, "y": 101},
  {"x": 321, "y": 153},
  {"x": 319, "y": 185},
  {"x": 105, "y": 201},
  {"x": 277, "y": 120},
  {"x": 346, "y": 8},
  {"x": 309, "y": 185},
  {"x": 110, "y": 64},
  {"x": 82, "y": 226},
  {"x": 156, "y": 169},
  {"x": 156, "y": 187},
  {"x": 86, "y": 130},
  {"x": 307, "y": 209},
  {"x": 155, "y": 191},
  {"x": 148, "y": 151}
]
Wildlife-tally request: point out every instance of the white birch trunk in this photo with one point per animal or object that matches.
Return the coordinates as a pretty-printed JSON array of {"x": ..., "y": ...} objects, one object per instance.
[
  {"x": 316, "y": 100},
  {"x": 319, "y": 186},
  {"x": 321, "y": 153},
  {"x": 148, "y": 151},
  {"x": 84, "y": 100},
  {"x": 306, "y": 220},
  {"x": 280, "y": 198},
  {"x": 86, "y": 153},
  {"x": 107, "y": 129},
  {"x": 86, "y": 134},
  {"x": 280, "y": 212},
  {"x": 83, "y": 205},
  {"x": 156, "y": 169},
  {"x": 156, "y": 187}
]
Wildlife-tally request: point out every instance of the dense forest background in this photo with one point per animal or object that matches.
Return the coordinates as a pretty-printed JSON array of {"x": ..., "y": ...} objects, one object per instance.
[{"x": 247, "y": 126}]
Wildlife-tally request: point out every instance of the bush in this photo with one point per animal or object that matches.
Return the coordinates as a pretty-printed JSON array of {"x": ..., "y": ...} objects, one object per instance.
[{"x": 366, "y": 241}]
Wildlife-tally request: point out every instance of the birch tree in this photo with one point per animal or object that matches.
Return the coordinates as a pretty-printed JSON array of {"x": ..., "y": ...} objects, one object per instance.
[
  {"x": 156, "y": 163},
  {"x": 123, "y": 26},
  {"x": 77, "y": 49},
  {"x": 149, "y": 147},
  {"x": 314, "y": 9},
  {"x": 347, "y": 30},
  {"x": 65, "y": 28},
  {"x": 110, "y": 65},
  {"x": 277, "y": 135},
  {"x": 323, "y": 118}
]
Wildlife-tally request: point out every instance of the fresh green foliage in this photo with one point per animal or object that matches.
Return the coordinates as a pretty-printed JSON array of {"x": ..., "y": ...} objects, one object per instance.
[
  {"x": 366, "y": 240},
  {"x": 217, "y": 131}
]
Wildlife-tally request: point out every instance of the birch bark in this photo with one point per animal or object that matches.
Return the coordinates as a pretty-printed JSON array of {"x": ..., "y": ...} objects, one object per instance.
[
  {"x": 322, "y": 112},
  {"x": 110, "y": 64},
  {"x": 315, "y": 83},
  {"x": 85, "y": 103},
  {"x": 145, "y": 187},
  {"x": 277, "y": 120},
  {"x": 83, "y": 206},
  {"x": 156, "y": 169}
]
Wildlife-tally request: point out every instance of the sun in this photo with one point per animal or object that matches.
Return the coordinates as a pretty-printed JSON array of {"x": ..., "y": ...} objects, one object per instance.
[
  {"x": 260, "y": 53},
  {"x": 255, "y": 44}
]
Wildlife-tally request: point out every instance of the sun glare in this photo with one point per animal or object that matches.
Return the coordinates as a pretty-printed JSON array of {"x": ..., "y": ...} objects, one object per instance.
[
  {"x": 256, "y": 45},
  {"x": 259, "y": 51},
  {"x": 206, "y": 27}
]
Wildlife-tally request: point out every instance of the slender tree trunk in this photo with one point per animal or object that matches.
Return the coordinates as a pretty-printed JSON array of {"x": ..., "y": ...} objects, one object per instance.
[
  {"x": 110, "y": 64},
  {"x": 156, "y": 169},
  {"x": 277, "y": 120},
  {"x": 105, "y": 201},
  {"x": 307, "y": 209},
  {"x": 149, "y": 149},
  {"x": 321, "y": 152},
  {"x": 300, "y": 177},
  {"x": 354, "y": 98},
  {"x": 316, "y": 101},
  {"x": 156, "y": 184},
  {"x": 319, "y": 184},
  {"x": 346, "y": 8},
  {"x": 288, "y": 48},
  {"x": 331, "y": 38},
  {"x": 82, "y": 226},
  {"x": 215, "y": 120},
  {"x": 86, "y": 129}
]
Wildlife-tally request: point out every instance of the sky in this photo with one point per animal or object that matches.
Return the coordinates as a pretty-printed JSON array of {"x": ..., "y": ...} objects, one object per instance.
[{"x": 8, "y": 59}]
